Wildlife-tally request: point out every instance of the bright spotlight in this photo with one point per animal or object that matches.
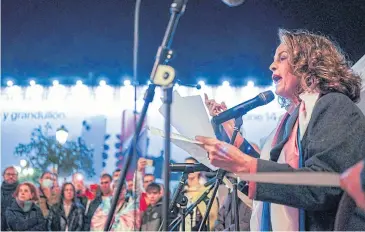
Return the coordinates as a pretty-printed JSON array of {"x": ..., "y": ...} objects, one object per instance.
[
  {"x": 23, "y": 163},
  {"x": 102, "y": 83},
  {"x": 225, "y": 83},
  {"x": 9, "y": 83},
  {"x": 250, "y": 84},
  {"x": 32, "y": 83},
  {"x": 201, "y": 83},
  {"x": 31, "y": 171},
  {"x": 55, "y": 83},
  {"x": 79, "y": 177},
  {"x": 127, "y": 82},
  {"x": 79, "y": 82}
]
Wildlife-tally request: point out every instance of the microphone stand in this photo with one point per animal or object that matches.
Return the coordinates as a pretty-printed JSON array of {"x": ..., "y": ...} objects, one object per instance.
[
  {"x": 161, "y": 75},
  {"x": 178, "y": 190},
  {"x": 175, "y": 223},
  {"x": 220, "y": 175}
]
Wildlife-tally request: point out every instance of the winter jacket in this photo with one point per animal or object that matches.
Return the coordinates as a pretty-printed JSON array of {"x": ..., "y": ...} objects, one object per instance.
[
  {"x": 18, "y": 220},
  {"x": 57, "y": 220}
]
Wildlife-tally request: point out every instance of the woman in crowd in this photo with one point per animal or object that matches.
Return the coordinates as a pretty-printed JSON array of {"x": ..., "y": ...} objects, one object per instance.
[
  {"x": 68, "y": 214},
  {"x": 193, "y": 190},
  {"x": 24, "y": 214},
  {"x": 323, "y": 130}
]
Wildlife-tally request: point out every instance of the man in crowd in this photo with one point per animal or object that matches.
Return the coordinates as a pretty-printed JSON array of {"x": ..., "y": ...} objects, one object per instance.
[
  {"x": 10, "y": 182},
  {"x": 49, "y": 193},
  {"x": 126, "y": 216},
  {"x": 151, "y": 219},
  {"x": 106, "y": 193},
  {"x": 147, "y": 179}
]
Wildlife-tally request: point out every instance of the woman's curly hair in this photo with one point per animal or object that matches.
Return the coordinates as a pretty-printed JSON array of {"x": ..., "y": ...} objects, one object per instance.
[{"x": 319, "y": 64}]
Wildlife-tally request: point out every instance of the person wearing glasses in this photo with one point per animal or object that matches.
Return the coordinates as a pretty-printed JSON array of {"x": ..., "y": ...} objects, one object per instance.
[{"x": 8, "y": 187}]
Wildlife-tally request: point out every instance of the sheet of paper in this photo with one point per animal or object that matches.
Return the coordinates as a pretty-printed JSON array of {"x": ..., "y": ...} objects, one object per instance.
[
  {"x": 189, "y": 117},
  {"x": 173, "y": 135},
  {"x": 190, "y": 146},
  {"x": 293, "y": 178}
]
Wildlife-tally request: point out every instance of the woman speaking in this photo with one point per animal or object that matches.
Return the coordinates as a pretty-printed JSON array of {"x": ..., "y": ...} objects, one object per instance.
[{"x": 323, "y": 130}]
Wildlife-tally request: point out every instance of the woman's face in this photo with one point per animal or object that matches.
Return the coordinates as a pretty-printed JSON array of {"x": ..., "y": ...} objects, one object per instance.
[
  {"x": 285, "y": 82},
  {"x": 68, "y": 193},
  {"x": 24, "y": 193},
  {"x": 193, "y": 174}
]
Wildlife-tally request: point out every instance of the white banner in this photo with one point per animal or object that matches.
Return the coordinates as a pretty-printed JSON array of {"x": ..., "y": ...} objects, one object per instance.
[{"x": 24, "y": 109}]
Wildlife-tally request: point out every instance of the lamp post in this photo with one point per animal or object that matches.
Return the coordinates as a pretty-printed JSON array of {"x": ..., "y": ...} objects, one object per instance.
[
  {"x": 62, "y": 134},
  {"x": 61, "y": 137}
]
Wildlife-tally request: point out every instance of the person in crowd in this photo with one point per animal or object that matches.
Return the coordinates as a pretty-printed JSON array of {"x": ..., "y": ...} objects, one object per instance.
[
  {"x": 147, "y": 179},
  {"x": 104, "y": 196},
  {"x": 91, "y": 195},
  {"x": 8, "y": 187},
  {"x": 48, "y": 192},
  {"x": 116, "y": 174},
  {"x": 23, "y": 214},
  {"x": 152, "y": 217},
  {"x": 323, "y": 130},
  {"x": 68, "y": 214},
  {"x": 126, "y": 216},
  {"x": 129, "y": 193},
  {"x": 81, "y": 189},
  {"x": 226, "y": 221},
  {"x": 193, "y": 190}
]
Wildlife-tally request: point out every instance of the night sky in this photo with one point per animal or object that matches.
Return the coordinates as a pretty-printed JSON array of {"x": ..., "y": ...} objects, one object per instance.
[{"x": 92, "y": 38}]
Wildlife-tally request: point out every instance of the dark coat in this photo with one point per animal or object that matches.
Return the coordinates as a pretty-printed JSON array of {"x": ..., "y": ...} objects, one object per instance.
[
  {"x": 349, "y": 217},
  {"x": 333, "y": 142},
  {"x": 152, "y": 217},
  {"x": 7, "y": 199},
  {"x": 91, "y": 210},
  {"x": 18, "y": 220},
  {"x": 57, "y": 220},
  {"x": 225, "y": 222}
]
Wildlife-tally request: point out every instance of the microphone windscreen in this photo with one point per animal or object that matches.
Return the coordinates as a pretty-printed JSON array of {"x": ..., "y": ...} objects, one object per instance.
[{"x": 233, "y": 3}]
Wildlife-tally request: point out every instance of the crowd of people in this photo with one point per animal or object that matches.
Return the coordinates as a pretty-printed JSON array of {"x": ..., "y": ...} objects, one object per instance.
[{"x": 73, "y": 206}]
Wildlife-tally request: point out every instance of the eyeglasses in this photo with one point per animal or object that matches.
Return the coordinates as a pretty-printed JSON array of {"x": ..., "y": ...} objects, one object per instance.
[
  {"x": 147, "y": 181},
  {"x": 105, "y": 182},
  {"x": 11, "y": 174}
]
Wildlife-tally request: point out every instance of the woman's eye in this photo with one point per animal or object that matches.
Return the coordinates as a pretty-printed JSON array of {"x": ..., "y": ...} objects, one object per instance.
[{"x": 282, "y": 58}]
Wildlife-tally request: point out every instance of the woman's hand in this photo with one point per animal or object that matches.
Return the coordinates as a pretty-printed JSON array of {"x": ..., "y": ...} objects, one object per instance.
[
  {"x": 351, "y": 182},
  {"x": 226, "y": 156},
  {"x": 214, "y": 108}
]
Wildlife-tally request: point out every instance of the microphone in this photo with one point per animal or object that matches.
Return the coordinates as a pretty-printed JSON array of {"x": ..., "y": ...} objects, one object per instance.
[
  {"x": 210, "y": 182},
  {"x": 188, "y": 168},
  {"x": 241, "y": 109},
  {"x": 233, "y": 3}
]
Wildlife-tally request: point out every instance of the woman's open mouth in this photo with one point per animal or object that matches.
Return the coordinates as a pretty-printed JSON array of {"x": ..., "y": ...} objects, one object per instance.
[{"x": 276, "y": 79}]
